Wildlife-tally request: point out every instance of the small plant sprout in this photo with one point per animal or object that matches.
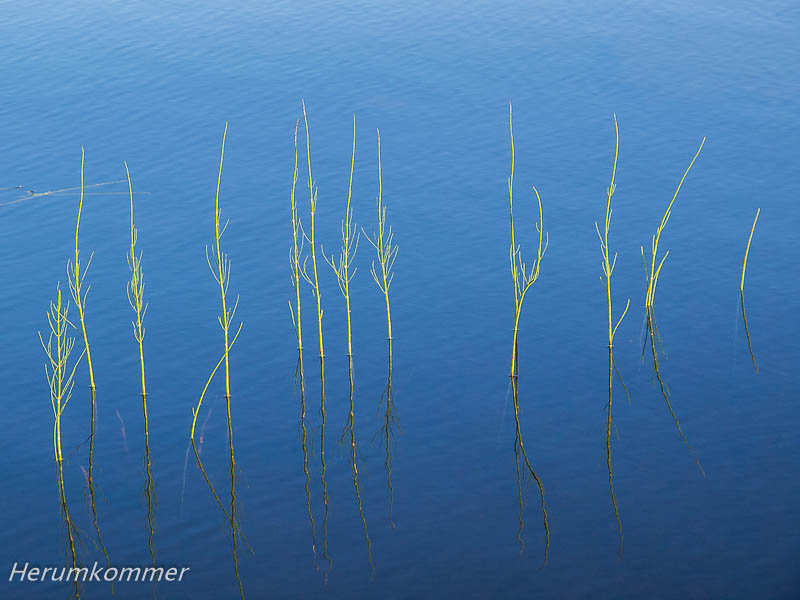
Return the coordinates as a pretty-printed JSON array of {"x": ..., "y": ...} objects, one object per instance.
[
  {"x": 296, "y": 251},
  {"x": 312, "y": 280},
  {"x": 651, "y": 270},
  {"x": 747, "y": 250},
  {"x": 344, "y": 266},
  {"x": 608, "y": 265},
  {"x": 75, "y": 280},
  {"x": 383, "y": 242},
  {"x": 523, "y": 278},
  {"x": 60, "y": 377},
  {"x": 135, "y": 289},
  {"x": 220, "y": 266}
]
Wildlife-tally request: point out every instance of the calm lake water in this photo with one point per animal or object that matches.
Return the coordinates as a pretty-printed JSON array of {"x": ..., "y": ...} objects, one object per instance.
[{"x": 444, "y": 503}]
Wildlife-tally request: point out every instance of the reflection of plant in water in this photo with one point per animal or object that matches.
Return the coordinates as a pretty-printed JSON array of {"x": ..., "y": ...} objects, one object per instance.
[
  {"x": 304, "y": 444},
  {"x": 350, "y": 427},
  {"x": 383, "y": 242},
  {"x": 90, "y": 484},
  {"x": 519, "y": 449},
  {"x": 236, "y": 532},
  {"x": 609, "y": 423},
  {"x": 322, "y": 474},
  {"x": 222, "y": 274},
  {"x": 523, "y": 279},
  {"x": 655, "y": 346},
  {"x": 150, "y": 494},
  {"x": 75, "y": 279},
  {"x": 60, "y": 377},
  {"x": 342, "y": 267},
  {"x": 387, "y": 431},
  {"x": 747, "y": 332},
  {"x": 651, "y": 271}
]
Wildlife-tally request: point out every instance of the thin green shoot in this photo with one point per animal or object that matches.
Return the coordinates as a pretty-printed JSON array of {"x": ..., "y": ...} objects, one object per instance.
[
  {"x": 297, "y": 250},
  {"x": 75, "y": 280},
  {"x": 608, "y": 265},
  {"x": 383, "y": 242},
  {"x": 651, "y": 271},
  {"x": 135, "y": 289},
  {"x": 747, "y": 250},
  {"x": 343, "y": 267}
]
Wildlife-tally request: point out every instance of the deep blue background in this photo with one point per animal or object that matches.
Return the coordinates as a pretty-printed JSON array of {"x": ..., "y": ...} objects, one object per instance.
[{"x": 153, "y": 84}]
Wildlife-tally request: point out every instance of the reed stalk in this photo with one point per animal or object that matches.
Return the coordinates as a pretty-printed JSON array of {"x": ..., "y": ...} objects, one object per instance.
[
  {"x": 75, "y": 280},
  {"x": 220, "y": 269},
  {"x": 294, "y": 257},
  {"x": 383, "y": 242},
  {"x": 313, "y": 280},
  {"x": 523, "y": 279},
  {"x": 608, "y": 266},
  {"x": 343, "y": 268},
  {"x": 135, "y": 290},
  {"x": 651, "y": 271},
  {"x": 747, "y": 251}
]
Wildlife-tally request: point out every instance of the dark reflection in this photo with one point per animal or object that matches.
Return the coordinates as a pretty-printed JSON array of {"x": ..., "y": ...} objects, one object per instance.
[
  {"x": 747, "y": 332},
  {"x": 230, "y": 515},
  {"x": 73, "y": 538},
  {"x": 90, "y": 484},
  {"x": 304, "y": 443},
  {"x": 609, "y": 424},
  {"x": 350, "y": 427},
  {"x": 387, "y": 432},
  {"x": 654, "y": 339},
  {"x": 322, "y": 475},
  {"x": 149, "y": 487},
  {"x": 519, "y": 450}
]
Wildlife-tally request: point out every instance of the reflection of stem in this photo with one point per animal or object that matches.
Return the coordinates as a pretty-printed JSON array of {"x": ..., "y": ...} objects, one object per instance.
[
  {"x": 652, "y": 330},
  {"x": 389, "y": 421},
  {"x": 354, "y": 464},
  {"x": 747, "y": 333},
  {"x": 149, "y": 488},
  {"x": 233, "y": 507},
  {"x": 608, "y": 447},
  {"x": 322, "y": 476},
  {"x": 305, "y": 456},
  {"x": 519, "y": 447},
  {"x": 90, "y": 483},
  {"x": 230, "y": 517},
  {"x": 70, "y": 527}
]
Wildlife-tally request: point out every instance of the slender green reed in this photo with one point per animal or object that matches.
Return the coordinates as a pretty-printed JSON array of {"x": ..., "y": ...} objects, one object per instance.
[
  {"x": 383, "y": 242},
  {"x": 75, "y": 280},
  {"x": 220, "y": 269},
  {"x": 312, "y": 280},
  {"x": 135, "y": 289},
  {"x": 651, "y": 271},
  {"x": 295, "y": 253},
  {"x": 747, "y": 250},
  {"x": 608, "y": 266},
  {"x": 342, "y": 267},
  {"x": 523, "y": 279}
]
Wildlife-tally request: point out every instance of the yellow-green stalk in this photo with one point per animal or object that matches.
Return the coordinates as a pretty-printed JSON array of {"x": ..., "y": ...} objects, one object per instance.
[
  {"x": 523, "y": 280},
  {"x": 747, "y": 251},
  {"x": 295, "y": 255},
  {"x": 651, "y": 271},
  {"x": 383, "y": 242},
  {"x": 75, "y": 279},
  {"x": 59, "y": 377},
  {"x": 221, "y": 272},
  {"x": 349, "y": 248},
  {"x": 608, "y": 266},
  {"x": 312, "y": 192},
  {"x": 136, "y": 289}
]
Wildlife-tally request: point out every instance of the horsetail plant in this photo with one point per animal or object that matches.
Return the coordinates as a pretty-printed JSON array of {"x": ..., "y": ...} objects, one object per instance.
[
  {"x": 383, "y": 242},
  {"x": 312, "y": 192},
  {"x": 523, "y": 279},
  {"x": 294, "y": 255},
  {"x": 220, "y": 269},
  {"x": 58, "y": 348},
  {"x": 651, "y": 271},
  {"x": 75, "y": 280},
  {"x": 747, "y": 250},
  {"x": 135, "y": 290},
  {"x": 608, "y": 266},
  {"x": 342, "y": 267}
]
